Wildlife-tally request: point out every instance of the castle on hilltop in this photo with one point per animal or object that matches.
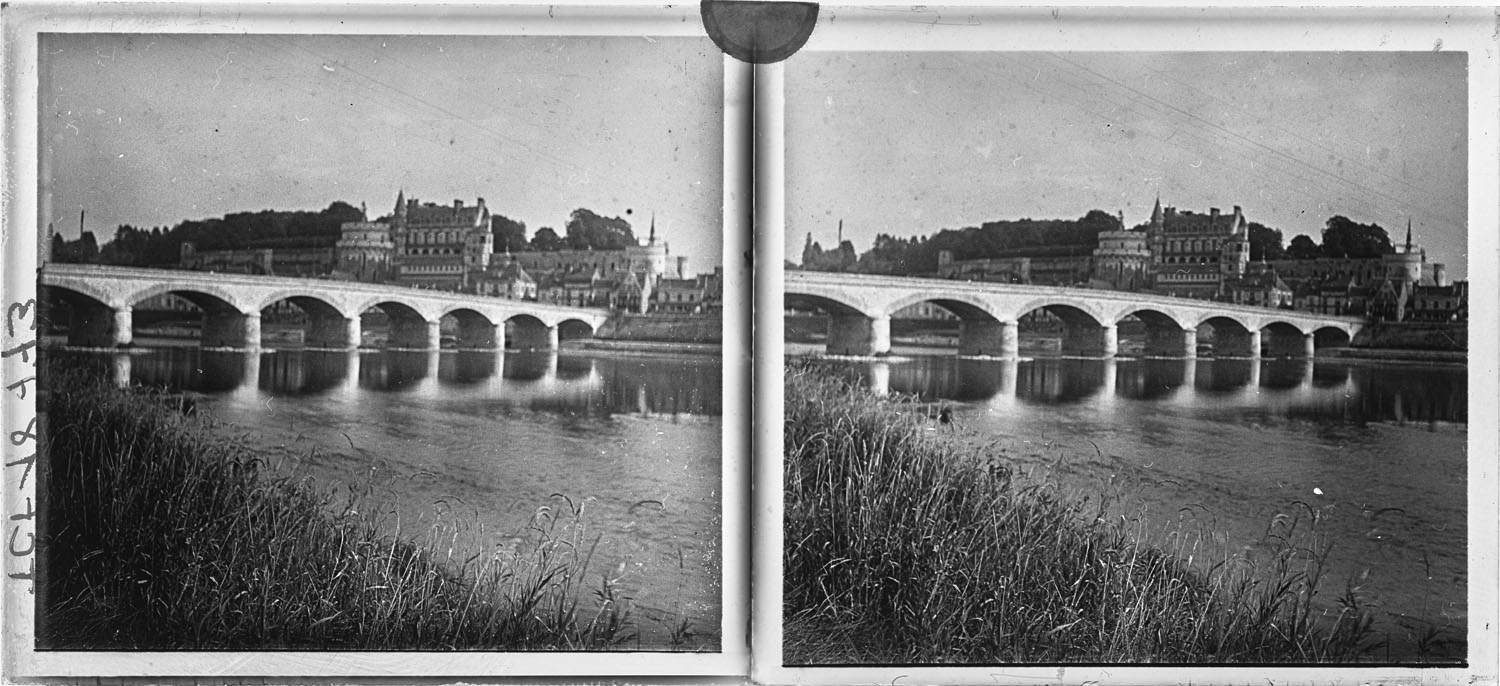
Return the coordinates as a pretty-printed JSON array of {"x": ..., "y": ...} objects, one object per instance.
[
  {"x": 452, "y": 247},
  {"x": 1191, "y": 255}
]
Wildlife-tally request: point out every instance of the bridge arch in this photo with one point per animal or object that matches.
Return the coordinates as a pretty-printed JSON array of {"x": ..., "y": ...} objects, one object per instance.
[
  {"x": 1229, "y": 336},
  {"x": 527, "y": 331},
  {"x": 407, "y": 326},
  {"x": 1282, "y": 338},
  {"x": 73, "y": 289},
  {"x": 832, "y": 304},
  {"x": 574, "y": 328},
  {"x": 1085, "y": 330},
  {"x": 209, "y": 298},
  {"x": 962, "y": 305},
  {"x": 1162, "y": 333},
  {"x": 225, "y": 323},
  {"x": 1063, "y": 306},
  {"x": 471, "y": 328},
  {"x": 1330, "y": 336},
  {"x": 310, "y": 298},
  {"x": 92, "y": 317},
  {"x": 854, "y": 328},
  {"x": 322, "y": 321},
  {"x": 983, "y": 328}
]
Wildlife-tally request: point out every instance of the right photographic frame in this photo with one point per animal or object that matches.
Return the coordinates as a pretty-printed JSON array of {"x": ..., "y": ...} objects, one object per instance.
[{"x": 1120, "y": 337}]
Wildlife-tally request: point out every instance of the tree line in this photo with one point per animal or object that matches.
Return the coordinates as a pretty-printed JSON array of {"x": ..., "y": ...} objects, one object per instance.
[
  {"x": 1341, "y": 237},
  {"x": 289, "y": 230}
]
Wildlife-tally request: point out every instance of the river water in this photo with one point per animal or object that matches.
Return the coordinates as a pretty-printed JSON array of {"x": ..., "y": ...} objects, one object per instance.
[
  {"x": 1220, "y": 448},
  {"x": 489, "y": 437}
]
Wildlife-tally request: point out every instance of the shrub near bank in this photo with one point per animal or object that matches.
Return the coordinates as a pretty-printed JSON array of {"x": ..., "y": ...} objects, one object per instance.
[
  {"x": 162, "y": 534},
  {"x": 904, "y": 547}
]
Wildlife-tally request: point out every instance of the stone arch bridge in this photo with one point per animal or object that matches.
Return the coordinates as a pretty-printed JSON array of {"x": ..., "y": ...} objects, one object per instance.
[
  {"x": 860, "y": 306},
  {"x": 101, "y": 302}
]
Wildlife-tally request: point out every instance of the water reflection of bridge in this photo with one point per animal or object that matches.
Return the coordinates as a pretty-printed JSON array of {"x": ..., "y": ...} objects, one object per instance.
[
  {"x": 1281, "y": 386},
  {"x": 542, "y": 380}
]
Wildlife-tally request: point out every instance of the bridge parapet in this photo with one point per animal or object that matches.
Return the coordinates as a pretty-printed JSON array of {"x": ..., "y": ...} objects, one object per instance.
[
  {"x": 1090, "y": 316},
  {"x": 233, "y": 302}
]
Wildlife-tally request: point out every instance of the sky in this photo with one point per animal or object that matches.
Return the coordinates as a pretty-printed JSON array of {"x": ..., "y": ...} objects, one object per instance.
[
  {"x": 151, "y": 130},
  {"x": 910, "y": 143}
]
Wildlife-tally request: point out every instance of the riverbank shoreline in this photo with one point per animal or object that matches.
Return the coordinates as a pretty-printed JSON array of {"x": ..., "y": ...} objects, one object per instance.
[
  {"x": 889, "y": 464},
  {"x": 169, "y": 534},
  {"x": 644, "y": 347},
  {"x": 1452, "y": 357}
]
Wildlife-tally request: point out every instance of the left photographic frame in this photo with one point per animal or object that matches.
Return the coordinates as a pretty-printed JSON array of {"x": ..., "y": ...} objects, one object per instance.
[{"x": 392, "y": 341}]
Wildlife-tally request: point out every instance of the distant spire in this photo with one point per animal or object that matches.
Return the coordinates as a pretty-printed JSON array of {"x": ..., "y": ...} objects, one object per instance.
[
  {"x": 401, "y": 202},
  {"x": 1156, "y": 211},
  {"x": 841, "y": 232},
  {"x": 652, "y": 239},
  {"x": 1408, "y": 235}
]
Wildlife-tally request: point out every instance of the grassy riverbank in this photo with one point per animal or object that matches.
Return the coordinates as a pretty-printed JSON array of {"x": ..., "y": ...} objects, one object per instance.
[
  {"x": 903, "y": 546},
  {"x": 162, "y": 533}
]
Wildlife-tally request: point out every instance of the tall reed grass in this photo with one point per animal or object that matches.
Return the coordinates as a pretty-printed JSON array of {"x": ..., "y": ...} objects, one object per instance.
[
  {"x": 162, "y": 534},
  {"x": 904, "y": 546}
]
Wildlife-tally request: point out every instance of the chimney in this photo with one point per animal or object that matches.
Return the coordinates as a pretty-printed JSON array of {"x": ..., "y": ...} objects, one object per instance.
[
  {"x": 1213, "y": 216},
  {"x": 479, "y": 203}
]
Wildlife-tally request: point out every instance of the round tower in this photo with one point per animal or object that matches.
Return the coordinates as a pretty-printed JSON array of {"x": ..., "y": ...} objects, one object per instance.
[{"x": 1406, "y": 263}]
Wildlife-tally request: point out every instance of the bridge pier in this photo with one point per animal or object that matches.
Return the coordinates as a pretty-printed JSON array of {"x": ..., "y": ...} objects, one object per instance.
[
  {"x": 231, "y": 329},
  {"x": 539, "y": 337},
  {"x": 353, "y": 333},
  {"x": 856, "y": 334},
  {"x": 122, "y": 333},
  {"x": 1101, "y": 341},
  {"x": 100, "y": 327},
  {"x": 988, "y": 337},
  {"x": 1171, "y": 342}
]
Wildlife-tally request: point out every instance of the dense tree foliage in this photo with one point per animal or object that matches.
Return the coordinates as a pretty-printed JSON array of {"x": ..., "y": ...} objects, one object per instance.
[
  {"x": 131, "y": 246},
  {"x": 137, "y": 247},
  {"x": 1344, "y": 237},
  {"x": 587, "y": 230},
  {"x": 840, "y": 259},
  {"x": 1303, "y": 247},
  {"x": 510, "y": 235},
  {"x": 1265, "y": 243},
  {"x": 546, "y": 238},
  {"x": 1061, "y": 237},
  {"x": 85, "y": 248},
  {"x": 892, "y": 255}
]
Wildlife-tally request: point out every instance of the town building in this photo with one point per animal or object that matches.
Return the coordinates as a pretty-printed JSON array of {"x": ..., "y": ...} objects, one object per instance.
[
  {"x": 366, "y": 252},
  {"x": 302, "y": 262},
  {"x": 439, "y": 246}
]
